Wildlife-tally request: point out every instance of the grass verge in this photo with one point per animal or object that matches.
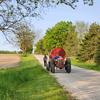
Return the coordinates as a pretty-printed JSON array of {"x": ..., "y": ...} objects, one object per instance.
[
  {"x": 87, "y": 65},
  {"x": 29, "y": 81}
]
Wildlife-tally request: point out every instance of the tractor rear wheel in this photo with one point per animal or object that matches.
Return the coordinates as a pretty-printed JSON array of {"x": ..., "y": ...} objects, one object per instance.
[
  {"x": 52, "y": 66},
  {"x": 68, "y": 65}
]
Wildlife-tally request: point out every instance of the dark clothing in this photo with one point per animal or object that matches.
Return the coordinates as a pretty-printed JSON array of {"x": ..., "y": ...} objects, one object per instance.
[
  {"x": 45, "y": 60},
  {"x": 56, "y": 57}
]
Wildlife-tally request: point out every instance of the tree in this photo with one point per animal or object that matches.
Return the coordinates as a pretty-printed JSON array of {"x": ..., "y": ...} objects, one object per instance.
[
  {"x": 13, "y": 11},
  {"x": 39, "y": 47},
  {"x": 56, "y": 35},
  {"x": 71, "y": 43},
  {"x": 24, "y": 38},
  {"x": 97, "y": 54},
  {"x": 89, "y": 43},
  {"x": 81, "y": 28}
]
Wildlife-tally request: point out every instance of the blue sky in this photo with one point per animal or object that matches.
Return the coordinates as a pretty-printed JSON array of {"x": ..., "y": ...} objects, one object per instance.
[{"x": 51, "y": 16}]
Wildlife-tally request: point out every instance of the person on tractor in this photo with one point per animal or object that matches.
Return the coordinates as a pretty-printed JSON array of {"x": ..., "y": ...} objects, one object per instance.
[{"x": 45, "y": 60}]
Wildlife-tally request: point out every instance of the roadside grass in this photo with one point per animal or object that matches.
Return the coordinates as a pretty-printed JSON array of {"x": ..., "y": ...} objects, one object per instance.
[
  {"x": 88, "y": 65},
  {"x": 29, "y": 81}
]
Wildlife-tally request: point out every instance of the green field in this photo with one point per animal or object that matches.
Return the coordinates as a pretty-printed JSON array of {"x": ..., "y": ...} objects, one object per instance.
[
  {"x": 88, "y": 65},
  {"x": 29, "y": 81}
]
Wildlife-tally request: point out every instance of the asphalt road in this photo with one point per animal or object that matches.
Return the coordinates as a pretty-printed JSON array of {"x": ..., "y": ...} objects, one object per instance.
[{"x": 82, "y": 83}]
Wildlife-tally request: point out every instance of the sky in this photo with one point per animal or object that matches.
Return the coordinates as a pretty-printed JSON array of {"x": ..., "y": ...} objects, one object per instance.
[{"x": 51, "y": 16}]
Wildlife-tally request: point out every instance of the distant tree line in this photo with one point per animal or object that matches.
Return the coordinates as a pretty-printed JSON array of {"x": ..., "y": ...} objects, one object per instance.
[
  {"x": 7, "y": 52},
  {"x": 64, "y": 34}
]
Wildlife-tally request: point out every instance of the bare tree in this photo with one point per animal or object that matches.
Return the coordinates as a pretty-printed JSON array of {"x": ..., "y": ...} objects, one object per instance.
[
  {"x": 81, "y": 28},
  {"x": 13, "y": 11},
  {"x": 24, "y": 37}
]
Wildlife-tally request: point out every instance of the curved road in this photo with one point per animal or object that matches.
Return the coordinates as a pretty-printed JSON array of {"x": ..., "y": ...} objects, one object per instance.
[{"x": 82, "y": 83}]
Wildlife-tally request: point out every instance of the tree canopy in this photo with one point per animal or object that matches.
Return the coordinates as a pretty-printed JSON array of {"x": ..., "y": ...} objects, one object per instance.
[{"x": 63, "y": 34}]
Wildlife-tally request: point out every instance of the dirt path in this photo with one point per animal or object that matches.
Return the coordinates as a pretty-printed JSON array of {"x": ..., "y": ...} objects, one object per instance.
[
  {"x": 82, "y": 83},
  {"x": 9, "y": 60}
]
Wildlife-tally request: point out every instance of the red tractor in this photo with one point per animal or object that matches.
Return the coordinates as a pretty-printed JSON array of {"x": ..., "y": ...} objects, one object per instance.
[{"x": 58, "y": 58}]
